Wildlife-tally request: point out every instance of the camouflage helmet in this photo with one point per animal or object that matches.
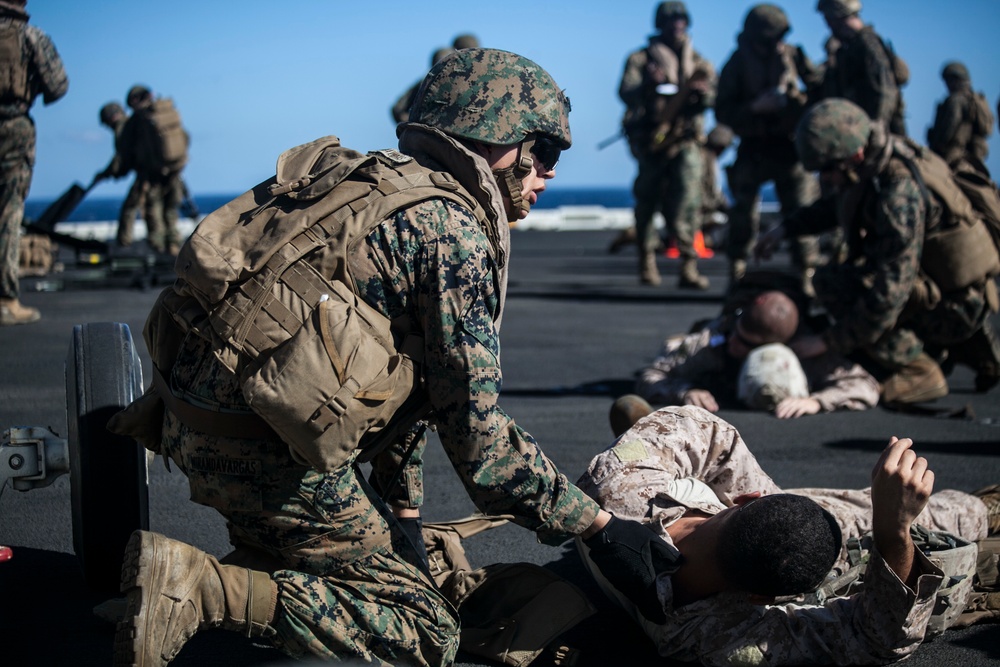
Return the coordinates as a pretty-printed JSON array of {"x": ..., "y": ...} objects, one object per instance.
[
  {"x": 720, "y": 137},
  {"x": 766, "y": 23},
  {"x": 110, "y": 111},
  {"x": 667, "y": 11},
  {"x": 838, "y": 8},
  {"x": 492, "y": 96},
  {"x": 955, "y": 70},
  {"x": 830, "y": 131}
]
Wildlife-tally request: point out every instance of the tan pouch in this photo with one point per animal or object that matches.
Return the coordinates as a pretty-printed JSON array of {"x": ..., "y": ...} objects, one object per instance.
[
  {"x": 338, "y": 378},
  {"x": 960, "y": 255}
]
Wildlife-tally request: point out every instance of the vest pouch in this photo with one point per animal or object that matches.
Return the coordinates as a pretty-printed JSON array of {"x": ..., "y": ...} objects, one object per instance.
[
  {"x": 960, "y": 255},
  {"x": 338, "y": 378}
]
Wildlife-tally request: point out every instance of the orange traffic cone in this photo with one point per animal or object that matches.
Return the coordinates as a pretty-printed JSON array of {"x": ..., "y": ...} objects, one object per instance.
[{"x": 700, "y": 248}]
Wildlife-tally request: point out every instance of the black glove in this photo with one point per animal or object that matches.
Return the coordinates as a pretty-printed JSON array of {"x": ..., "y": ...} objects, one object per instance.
[{"x": 630, "y": 556}]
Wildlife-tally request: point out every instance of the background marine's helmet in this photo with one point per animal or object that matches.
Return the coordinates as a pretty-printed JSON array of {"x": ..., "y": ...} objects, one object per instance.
[
  {"x": 492, "y": 96},
  {"x": 838, "y": 8},
  {"x": 831, "y": 131},
  {"x": 110, "y": 111},
  {"x": 955, "y": 70},
  {"x": 668, "y": 11},
  {"x": 766, "y": 23},
  {"x": 720, "y": 138}
]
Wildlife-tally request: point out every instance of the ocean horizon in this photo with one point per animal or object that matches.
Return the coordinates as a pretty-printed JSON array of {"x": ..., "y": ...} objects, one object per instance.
[{"x": 95, "y": 209}]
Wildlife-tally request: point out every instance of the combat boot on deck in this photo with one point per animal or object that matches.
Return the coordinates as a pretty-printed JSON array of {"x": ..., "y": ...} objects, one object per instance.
[
  {"x": 13, "y": 312},
  {"x": 920, "y": 380},
  {"x": 648, "y": 273},
  {"x": 690, "y": 278},
  {"x": 173, "y": 590},
  {"x": 626, "y": 411}
]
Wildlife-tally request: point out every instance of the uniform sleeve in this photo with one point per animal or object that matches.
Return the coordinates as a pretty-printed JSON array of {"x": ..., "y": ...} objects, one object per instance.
[
  {"x": 500, "y": 464},
  {"x": 839, "y": 384},
  {"x": 894, "y": 257},
  {"x": 50, "y": 76},
  {"x": 682, "y": 364},
  {"x": 879, "y": 92},
  {"x": 731, "y": 108},
  {"x": 882, "y": 623},
  {"x": 630, "y": 90}
]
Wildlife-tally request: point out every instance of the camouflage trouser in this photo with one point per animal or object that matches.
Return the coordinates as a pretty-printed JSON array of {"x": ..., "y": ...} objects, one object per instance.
[
  {"x": 795, "y": 188},
  {"x": 134, "y": 200},
  {"x": 163, "y": 197},
  {"x": 17, "y": 158},
  {"x": 672, "y": 186},
  {"x": 691, "y": 442},
  {"x": 951, "y": 321},
  {"x": 348, "y": 586}
]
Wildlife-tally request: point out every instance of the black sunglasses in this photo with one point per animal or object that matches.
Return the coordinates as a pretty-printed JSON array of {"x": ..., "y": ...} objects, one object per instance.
[{"x": 547, "y": 151}]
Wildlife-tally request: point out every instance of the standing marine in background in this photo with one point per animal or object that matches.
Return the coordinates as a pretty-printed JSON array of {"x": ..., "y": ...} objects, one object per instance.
[
  {"x": 114, "y": 118},
  {"x": 401, "y": 109},
  {"x": 160, "y": 151},
  {"x": 865, "y": 70},
  {"x": 666, "y": 87},
  {"x": 963, "y": 122},
  {"x": 763, "y": 91},
  {"x": 714, "y": 204},
  {"x": 29, "y": 67}
]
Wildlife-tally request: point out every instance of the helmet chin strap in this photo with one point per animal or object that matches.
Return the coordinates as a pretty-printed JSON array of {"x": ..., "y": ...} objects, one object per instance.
[{"x": 509, "y": 179}]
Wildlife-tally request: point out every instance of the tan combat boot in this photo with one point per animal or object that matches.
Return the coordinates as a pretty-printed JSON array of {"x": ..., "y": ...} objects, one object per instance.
[
  {"x": 173, "y": 590},
  {"x": 990, "y": 495},
  {"x": 920, "y": 380},
  {"x": 648, "y": 273},
  {"x": 13, "y": 312},
  {"x": 690, "y": 278},
  {"x": 626, "y": 411}
]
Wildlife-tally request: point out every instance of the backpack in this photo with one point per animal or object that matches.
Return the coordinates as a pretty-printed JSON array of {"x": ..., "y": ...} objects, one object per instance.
[
  {"x": 266, "y": 279},
  {"x": 900, "y": 70},
  {"x": 963, "y": 249},
  {"x": 162, "y": 140},
  {"x": 13, "y": 64}
]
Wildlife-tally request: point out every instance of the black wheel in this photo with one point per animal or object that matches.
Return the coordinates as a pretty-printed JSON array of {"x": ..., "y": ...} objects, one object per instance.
[{"x": 108, "y": 473}]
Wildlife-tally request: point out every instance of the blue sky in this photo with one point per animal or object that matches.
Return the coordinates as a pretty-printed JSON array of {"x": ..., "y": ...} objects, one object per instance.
[{"x": 253, "y": 78}]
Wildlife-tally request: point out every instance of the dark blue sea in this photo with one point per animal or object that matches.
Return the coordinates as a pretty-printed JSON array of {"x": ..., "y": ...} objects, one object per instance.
[{"x": 106, "y": 208}]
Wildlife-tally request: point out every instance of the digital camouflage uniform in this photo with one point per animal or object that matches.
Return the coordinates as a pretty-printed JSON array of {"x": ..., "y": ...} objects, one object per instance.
[
  {"x": 963, "y": 122},
  {"x": 648, "y": 475},
  {"x": 863, "y": 73},
  {"x": 45, "y": 76},
  {"x": 669, "y": 179},
  {"x": 698, "y": 360},
  {"x": 349, "y": 583},
  {"x": 766, "y": 150},
  {"x": 885, "y": 219}
]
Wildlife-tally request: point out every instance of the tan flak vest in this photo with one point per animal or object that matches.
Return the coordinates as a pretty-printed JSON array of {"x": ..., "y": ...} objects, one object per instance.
[{"x": 265, "y": 278}]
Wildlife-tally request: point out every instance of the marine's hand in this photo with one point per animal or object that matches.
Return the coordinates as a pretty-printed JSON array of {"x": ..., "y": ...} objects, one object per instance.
[
  {"x": 790, "y": 408},
  {"x": 768, "y": 242},
  {"x": 631, "y": 556},
  {"x": 769, "y": 102},
  {"x": 901, "y": 486},
  {"x": 701, "y": 398}
]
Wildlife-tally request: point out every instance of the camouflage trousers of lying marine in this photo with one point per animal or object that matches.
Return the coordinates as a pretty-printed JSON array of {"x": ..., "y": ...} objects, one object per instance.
[
  {"x": 952, "y": 320},
  {"x": 349, "y": 582}
]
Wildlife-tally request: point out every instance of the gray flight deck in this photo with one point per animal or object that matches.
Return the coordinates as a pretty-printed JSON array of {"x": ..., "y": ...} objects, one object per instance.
[{"x": 576, "y": 328}]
